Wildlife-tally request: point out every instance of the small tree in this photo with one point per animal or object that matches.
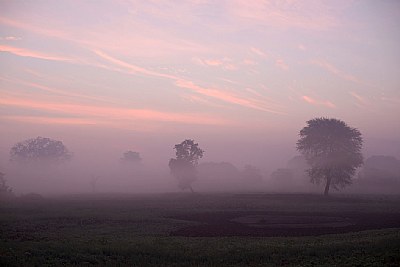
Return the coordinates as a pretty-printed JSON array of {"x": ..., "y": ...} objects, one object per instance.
[
  {"x": 282, "y": 175},
  {"x": 6, "y": 192},
  {"x": 332, "y": 149},
  {"x": 4, "y": 188},
  {"x": 39, "y": 149},
  {"x": 131, "y": 157},
  {"x": 183, "y": 167}
]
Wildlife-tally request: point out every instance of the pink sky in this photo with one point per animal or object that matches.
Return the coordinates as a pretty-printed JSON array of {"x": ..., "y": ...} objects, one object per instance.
[{"x": 197, "y": 69}]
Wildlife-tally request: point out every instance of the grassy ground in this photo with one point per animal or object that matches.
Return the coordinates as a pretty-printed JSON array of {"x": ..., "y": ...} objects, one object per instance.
[{"x": 127, "y": 230}]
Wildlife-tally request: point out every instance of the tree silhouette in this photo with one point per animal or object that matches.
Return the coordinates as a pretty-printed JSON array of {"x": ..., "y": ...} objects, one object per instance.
[
  {"x": 183, "y": 167},
  {"x": 131, "y": 157},
  {"x": 4, "y": 188},
  {"x": 332, "y": 149},
  {"x": 39, "y": 149},
  {"x": 6, "y": 192}
]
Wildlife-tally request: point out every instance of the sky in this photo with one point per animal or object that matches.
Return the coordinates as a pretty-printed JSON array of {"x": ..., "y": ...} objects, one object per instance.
[{"x": 239, "y": 77}]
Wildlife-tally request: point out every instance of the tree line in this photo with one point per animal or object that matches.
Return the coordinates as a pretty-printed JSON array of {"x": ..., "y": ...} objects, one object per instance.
[{"x": 331, "y": 149}]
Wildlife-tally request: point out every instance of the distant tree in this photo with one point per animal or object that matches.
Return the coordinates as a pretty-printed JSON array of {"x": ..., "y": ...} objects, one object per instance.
[
  {"x": 333, "y": 151},
  {"x": 298, "y": 163},
  {"x": 381, "y": 170},
  {"x": 6, "y": 192},
  {"x": 131, "y": 157},
  {"x": 299, "y": 166},
  {"x": 385, "y": 163},
  {"x": 39, "y": 149},
  {"x": 4, "y": 188},
  {"x": 218, "y": 170},
  {"x": 183, "y": 167},
  {"x": 251, "y": 174},
  {"x": 282, "y": 175}
]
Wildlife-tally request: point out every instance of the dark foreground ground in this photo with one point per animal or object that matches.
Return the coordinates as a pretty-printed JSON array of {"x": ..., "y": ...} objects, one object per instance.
[{"x": 201, "y": 230}]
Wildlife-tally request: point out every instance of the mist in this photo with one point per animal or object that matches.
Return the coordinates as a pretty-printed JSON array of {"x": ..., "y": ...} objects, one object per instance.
[{"x": 97, "y": 154}]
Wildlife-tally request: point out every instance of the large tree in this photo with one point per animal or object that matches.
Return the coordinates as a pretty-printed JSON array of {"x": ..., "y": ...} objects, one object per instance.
[
  {"x": 333, "y": 151},
  {"x": 183, "y": 167},
  {"x": 39, "y": 149}
]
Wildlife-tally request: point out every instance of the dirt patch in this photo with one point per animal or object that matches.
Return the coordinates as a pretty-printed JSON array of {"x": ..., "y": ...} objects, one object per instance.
[{"x": 282, "y": 224}]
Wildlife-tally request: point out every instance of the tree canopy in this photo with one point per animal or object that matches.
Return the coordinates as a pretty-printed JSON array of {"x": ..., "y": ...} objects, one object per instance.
[
  {"x": 188, "y": 151},
  {"x": 183, "y": 167},
  {"x": 332, "y": 149},
  {"x": 39, "y": 149}
]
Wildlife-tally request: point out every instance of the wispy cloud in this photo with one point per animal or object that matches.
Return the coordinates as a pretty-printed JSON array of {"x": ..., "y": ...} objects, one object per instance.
[
  {"x": 258, "y": 52},
  {"x": 225, "y": 63},
  {"x": 50, "y": 120},
  {"x": 56, "y": 91},
  {"x": 360, "y": 99},
  {"x": 46, "y": 31},
  {"x": 296, "y": 14},
  {"x": 185, "y": 83},
  {"x": 334, "y": 70},
  {"x": 147, "y": 39},
  {"x": 10, "y": 38},
  {"x": 213, "y": 62},
  {"x": 133, "y": 68},
  {"x": 200, "y": 100},
  {"x": 227, "y": 97},
  {"x": 106, "y": 114},
  {"x": 280, "y": 63},
  {"x": 317, "y": 102},
  {"x": 254, "y": 92},
  {"x": 33, "y": 54}
]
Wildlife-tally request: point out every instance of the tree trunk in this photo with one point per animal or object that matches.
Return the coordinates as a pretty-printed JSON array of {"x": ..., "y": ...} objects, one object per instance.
[
  {"x": 328, "y": 184},
  {"x": 191, "y": 189}
]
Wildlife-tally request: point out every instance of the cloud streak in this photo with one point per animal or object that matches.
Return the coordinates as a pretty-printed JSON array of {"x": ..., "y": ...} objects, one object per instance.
[
  {"x": 280, "y": 63},
  {"x": 284, "y": 14},
  {"x": 101, "y": 114},
  {"x": 50, "y": 120},
  {"x": 334, "y": 70},
  {"x": 360, "y": 99},
  {"x": 317, "y": 102},
  {"x": 258, "y": 52},
  {"x": 30, "y": 53},
  {"x": 187, "y": 84},
  {"x": 227, "y": 97},
  {"x": 225, "y": 63},
  {"x": 55, "y": 91}
]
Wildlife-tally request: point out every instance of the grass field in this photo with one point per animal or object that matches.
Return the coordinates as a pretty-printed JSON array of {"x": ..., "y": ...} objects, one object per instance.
[{"x": 201, "y": 230}]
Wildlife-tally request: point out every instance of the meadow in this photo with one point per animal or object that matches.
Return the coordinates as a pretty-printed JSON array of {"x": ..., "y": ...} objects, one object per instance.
[{"x": 201, "y": 229}]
